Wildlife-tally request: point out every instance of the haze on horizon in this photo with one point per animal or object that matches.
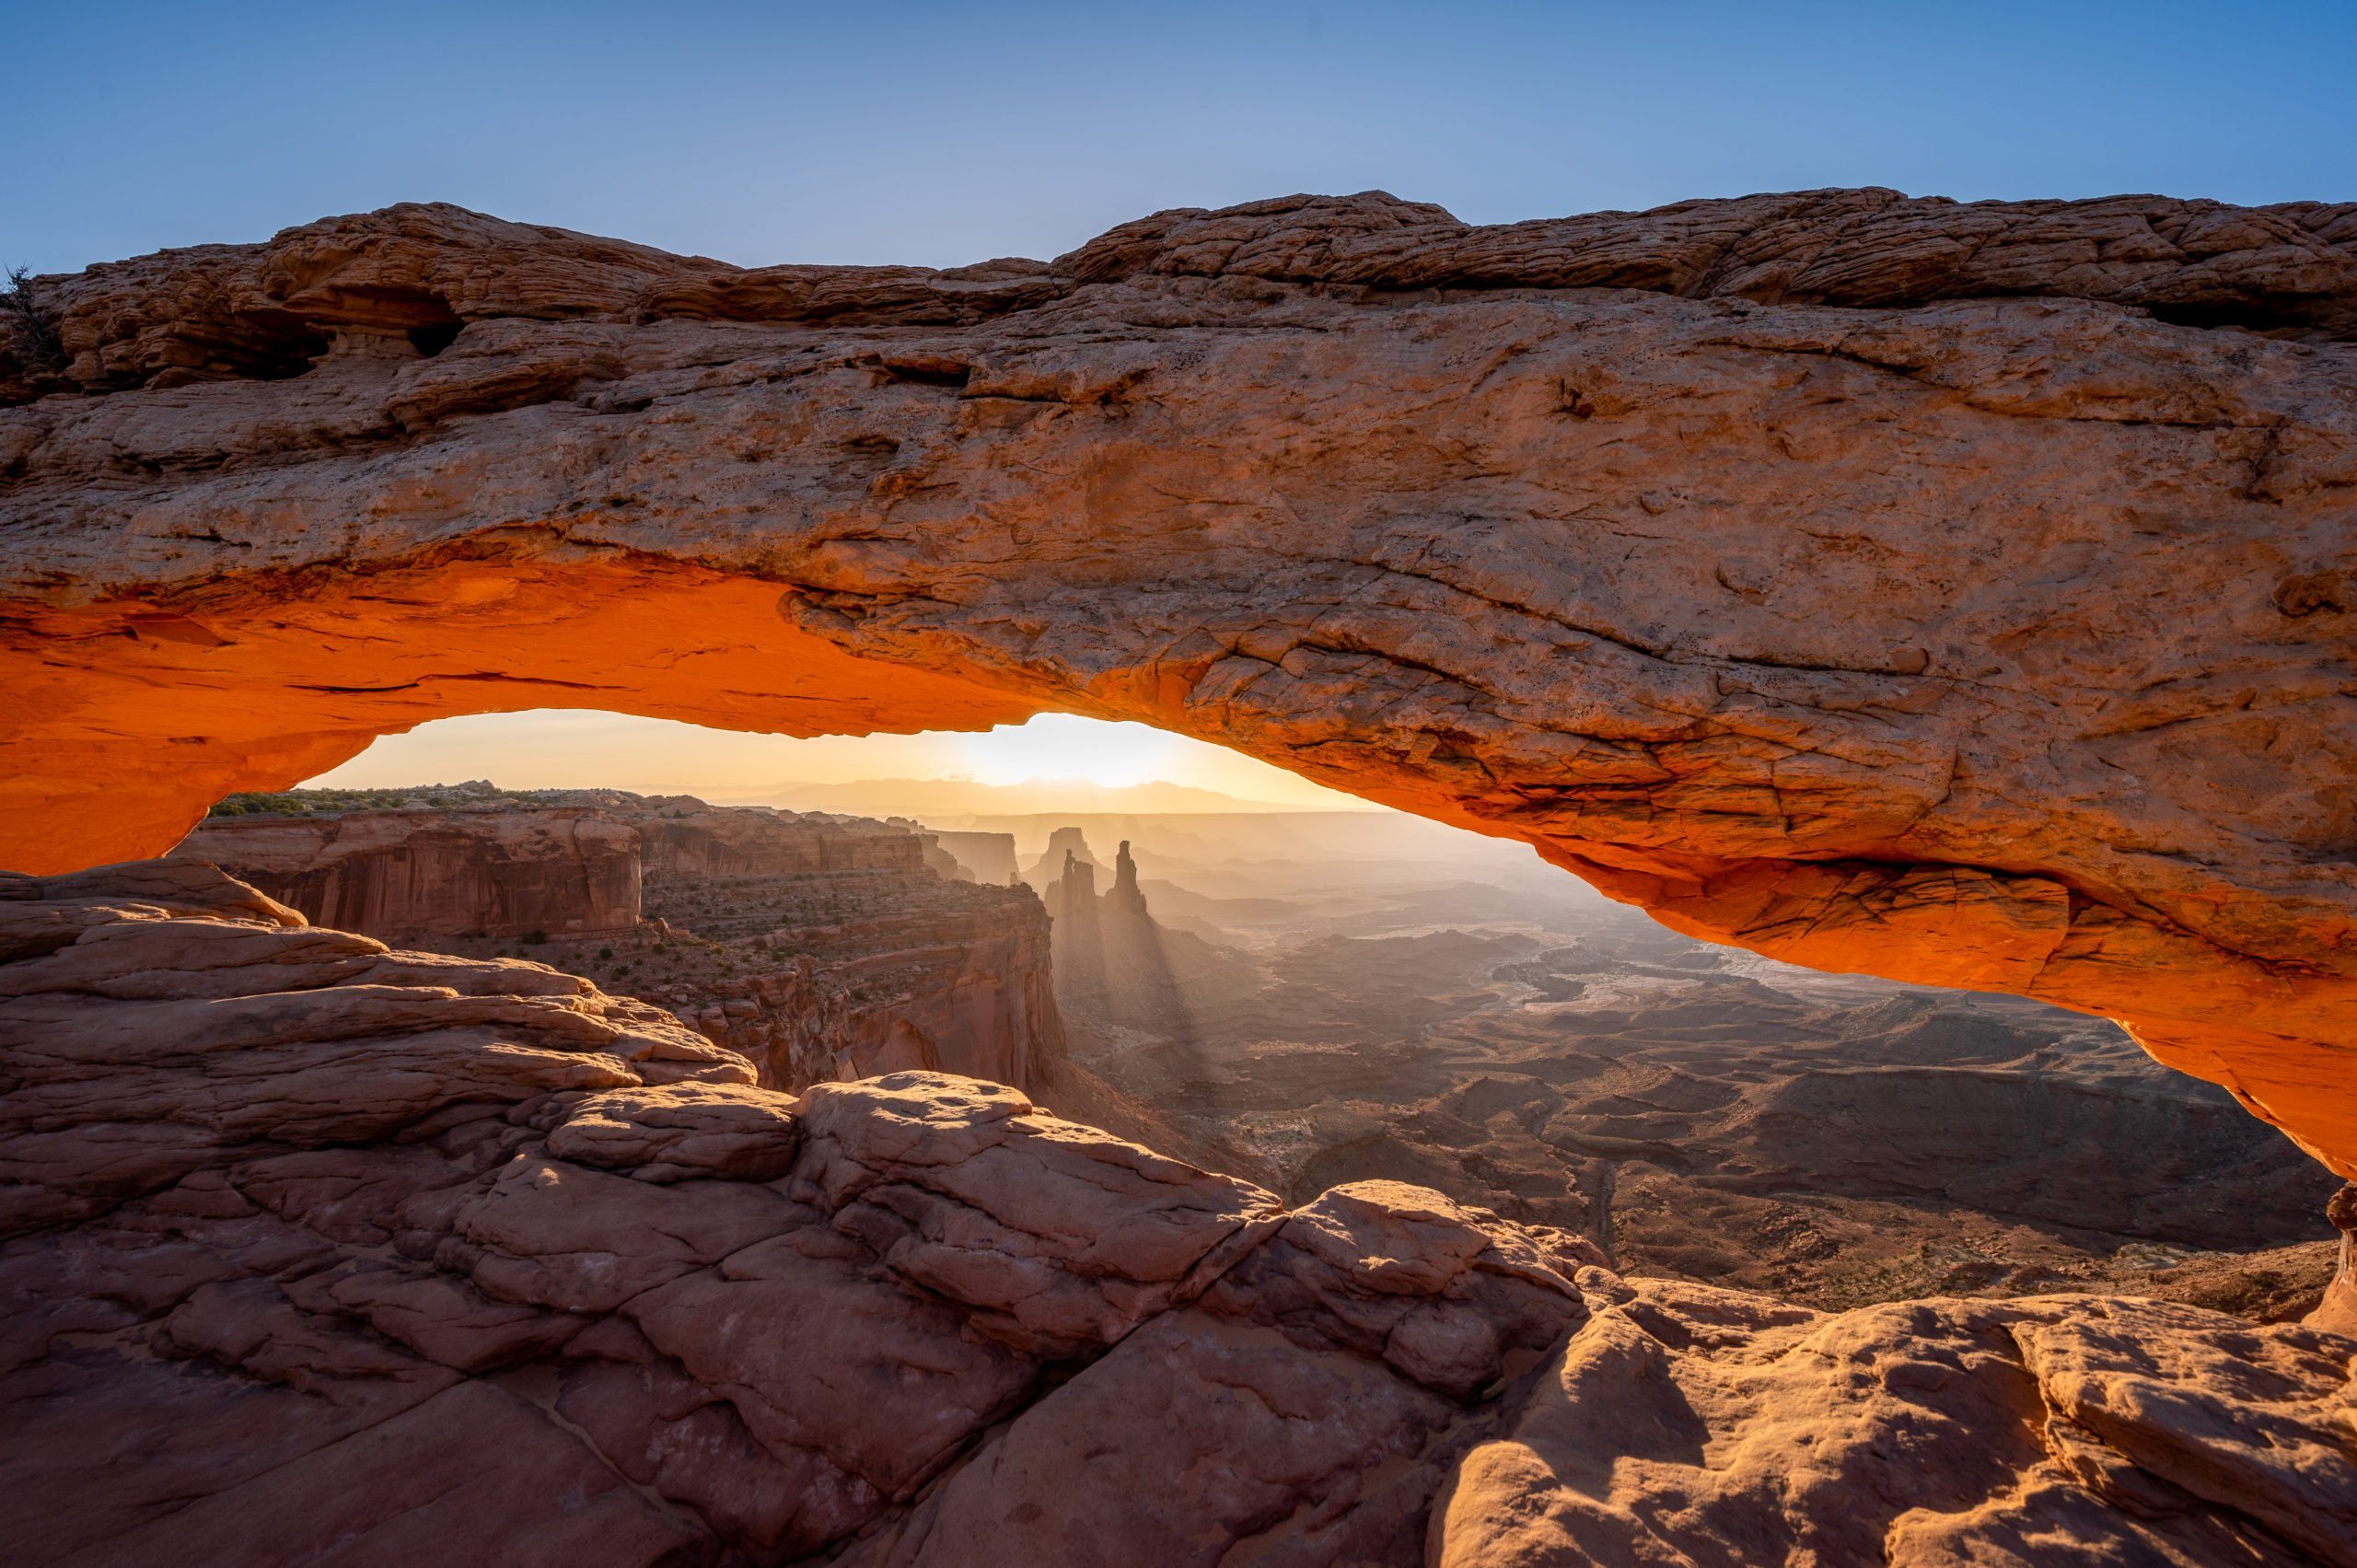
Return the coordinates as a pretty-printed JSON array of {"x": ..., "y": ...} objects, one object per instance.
[{"x": 1055, "y": 762}]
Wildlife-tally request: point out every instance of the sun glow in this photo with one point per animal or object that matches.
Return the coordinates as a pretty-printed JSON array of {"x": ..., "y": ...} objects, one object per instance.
[
  {"x": 1060, "y": 745},
  {"x": 550, "y": 748}
]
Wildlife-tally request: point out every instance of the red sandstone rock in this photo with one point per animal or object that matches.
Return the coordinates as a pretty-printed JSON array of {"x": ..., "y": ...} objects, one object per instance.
[
  {"x": 442, "y": 1271},
  {"x": 410, "y": 876},
  {"x": 865, "y": 963},
  {"x": 1114, "y": 962},
  {"x": 1959, "y": 593},
  {"x": 1686, "y": 1423},
  {"x": 686, "y": 839},
  {"x": 680, "y": 1132},
  {"x": 2338, "y": 1311},
  {"x": 896, "y": 978},
  {"x": 857, "y": 961}
]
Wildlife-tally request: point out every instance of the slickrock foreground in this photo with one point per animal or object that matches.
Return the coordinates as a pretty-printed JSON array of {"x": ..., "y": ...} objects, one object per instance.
[
  {"x": 319, "y": 1251},
  {"x": 1957, "y": 593}
]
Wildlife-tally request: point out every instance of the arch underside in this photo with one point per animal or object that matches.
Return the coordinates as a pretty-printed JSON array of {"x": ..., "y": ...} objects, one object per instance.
[{"x": 2000, "y": 643}]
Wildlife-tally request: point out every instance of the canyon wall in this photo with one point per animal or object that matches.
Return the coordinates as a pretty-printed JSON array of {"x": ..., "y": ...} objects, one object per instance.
[
  {"x": 1065, "y": 846},
  {"x": 940, "y": 863},
  {"x": 819, "y": 947},
  {"x": 1073, "y": 904},
  {"x": 989, "y": 856},
  {"x": 862, "y": 954},
  {"x": 412, "y": 875},
  {"x": 1960, "y": 593},
  {"x": 391, "y": 1258},
  {"x": 898, "y": 977},
  {"x": 684, "y": 838}
]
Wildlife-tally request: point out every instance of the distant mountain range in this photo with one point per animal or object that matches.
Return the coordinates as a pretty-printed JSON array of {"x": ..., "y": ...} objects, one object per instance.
[{"x": 940, "y": 800}]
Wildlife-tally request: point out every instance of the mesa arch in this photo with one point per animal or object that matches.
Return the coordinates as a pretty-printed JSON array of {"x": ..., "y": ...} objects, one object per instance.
[{"x": 1963, "y": 594}]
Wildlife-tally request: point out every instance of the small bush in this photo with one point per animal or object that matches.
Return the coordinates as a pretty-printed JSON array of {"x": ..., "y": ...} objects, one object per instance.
[
  {"x": 35, "y": 339},
  {"x": 536, "y": 937}
]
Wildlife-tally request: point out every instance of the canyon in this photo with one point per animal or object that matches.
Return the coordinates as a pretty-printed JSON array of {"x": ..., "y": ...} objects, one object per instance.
[
  {"x": 1958, "y": 594},
  {"x": 1835, "y": 1143},
  {"x": 817, "y": 946},
  {"x": 328, "y": 1251},
  {"x": 1454, "y": 1022},
  {"x": 1115, "y": 962}
]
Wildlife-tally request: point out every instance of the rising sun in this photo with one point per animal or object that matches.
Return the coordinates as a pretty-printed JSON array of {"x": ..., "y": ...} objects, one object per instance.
[{"x": 1060, "y": 747}]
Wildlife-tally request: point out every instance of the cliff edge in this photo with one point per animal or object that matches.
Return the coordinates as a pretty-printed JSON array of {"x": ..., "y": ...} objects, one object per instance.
[{"x": 322, "y": 1246}]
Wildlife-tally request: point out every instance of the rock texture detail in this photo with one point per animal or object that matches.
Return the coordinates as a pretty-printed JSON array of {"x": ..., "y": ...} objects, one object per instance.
[
  {"x": 1957, "y": 593},
  {"x": 861, "y": 954},
  {"x": 409, "y": 876},
  {"x": 817, "y": 947},
  {"x": 687, "y": 840},
  {"x": 315, "y": 1248}
]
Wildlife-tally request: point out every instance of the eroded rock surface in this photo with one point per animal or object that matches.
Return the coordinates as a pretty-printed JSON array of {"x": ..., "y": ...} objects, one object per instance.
[
  {"x": 853, "y": 956},
  {"x": 412, "y": 875},
  {"x": 1684, "y": 1424},
  {"x": 1957, "y": 593},
  {"x": 316, "y": 1250},
  {"x": 817, "y": 946}
]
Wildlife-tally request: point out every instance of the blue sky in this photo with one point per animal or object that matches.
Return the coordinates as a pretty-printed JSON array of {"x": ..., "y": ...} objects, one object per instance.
[{"x": 942, "y": 134}]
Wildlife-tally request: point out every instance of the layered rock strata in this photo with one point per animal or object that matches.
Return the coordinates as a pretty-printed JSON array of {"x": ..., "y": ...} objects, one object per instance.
[
  {"x": 686, "y": 840},
  {"x": 863, "y": 975},
  {"x": 1957, "y": 593},
  {"x": 819, "y": 947},
  {"x": 413, "y": 876},
  {"x": 849, "y": 951},
  {"x": 321, "y": 1248}
]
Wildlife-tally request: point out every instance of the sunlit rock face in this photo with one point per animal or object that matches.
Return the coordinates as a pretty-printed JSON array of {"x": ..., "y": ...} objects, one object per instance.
[
  {"x": 410, "y": 876},
  {"x": 315, "y": 1249},
  {"x": 1957, "y": 593},
  {"x": 861, "y": 957},
  {"x": 938, "y": 977},
  {"x": 687, "y": 840},
  {"x": 817, "y": 946}
]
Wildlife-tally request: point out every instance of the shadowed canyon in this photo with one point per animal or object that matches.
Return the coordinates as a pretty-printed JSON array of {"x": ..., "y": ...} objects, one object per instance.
[{"x": 1961, "y": 594}]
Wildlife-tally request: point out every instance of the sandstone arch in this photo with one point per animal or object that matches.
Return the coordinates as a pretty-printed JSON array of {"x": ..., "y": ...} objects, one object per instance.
[{"x": 1962, "y": 594}]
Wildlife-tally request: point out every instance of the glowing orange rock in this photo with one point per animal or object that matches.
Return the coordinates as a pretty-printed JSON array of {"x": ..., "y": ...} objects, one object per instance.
[{"x": 1745, "y": 557}]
